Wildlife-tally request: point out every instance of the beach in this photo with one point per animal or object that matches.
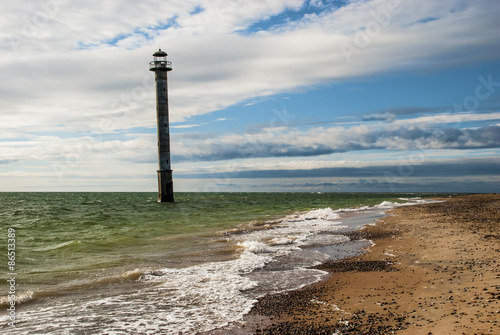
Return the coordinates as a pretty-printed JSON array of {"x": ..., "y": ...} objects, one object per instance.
[{"x": 432, "y": 269}]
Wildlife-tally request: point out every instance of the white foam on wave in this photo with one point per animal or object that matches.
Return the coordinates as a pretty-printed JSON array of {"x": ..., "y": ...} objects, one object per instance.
[
  {"x": 386, "y": 205},
  {"x": 256, "y": 247},
  {"x": 57, "y": 246},
  {"x": 320, "y": 214},
  {"x": 133, "y": 274},
  {"x": 20, "y": 298},
  {"x": 356, "y": 209},
  {"x": 282, "y": 241}
]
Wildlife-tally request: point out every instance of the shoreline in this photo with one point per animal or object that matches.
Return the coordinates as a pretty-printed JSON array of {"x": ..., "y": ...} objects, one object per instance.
[{"x": 433, "y": 269}]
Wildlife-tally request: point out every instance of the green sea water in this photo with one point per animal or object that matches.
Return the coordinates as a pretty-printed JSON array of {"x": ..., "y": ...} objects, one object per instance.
[{"x": 61, "y": 236}]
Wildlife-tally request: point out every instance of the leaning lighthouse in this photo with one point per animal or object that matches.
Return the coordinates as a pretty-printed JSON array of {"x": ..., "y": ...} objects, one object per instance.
[{"x": 161, "y": 66}]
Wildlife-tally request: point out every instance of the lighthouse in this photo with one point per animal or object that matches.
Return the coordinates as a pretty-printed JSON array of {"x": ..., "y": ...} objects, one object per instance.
[{"x": 161, "y": 66}]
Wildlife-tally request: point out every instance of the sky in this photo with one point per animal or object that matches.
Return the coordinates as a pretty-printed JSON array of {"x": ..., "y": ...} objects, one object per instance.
[{"x": 264, "y": 95}]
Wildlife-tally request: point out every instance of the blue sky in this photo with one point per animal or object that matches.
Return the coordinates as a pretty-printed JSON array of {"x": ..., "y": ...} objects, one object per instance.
[{"x": 281, "y": 95}]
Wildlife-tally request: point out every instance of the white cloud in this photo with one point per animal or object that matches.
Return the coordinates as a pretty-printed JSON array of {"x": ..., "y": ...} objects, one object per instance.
[
  {"x": 214, "y": 67},
  {"x": 449, "y": 118}
]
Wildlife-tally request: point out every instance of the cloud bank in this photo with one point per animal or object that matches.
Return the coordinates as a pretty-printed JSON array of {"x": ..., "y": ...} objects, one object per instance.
[{"x": 323, "y": 141}]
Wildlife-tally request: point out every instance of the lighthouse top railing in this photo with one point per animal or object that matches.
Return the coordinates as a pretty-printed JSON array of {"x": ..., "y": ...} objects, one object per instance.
[{"x": 161, "y": 65}]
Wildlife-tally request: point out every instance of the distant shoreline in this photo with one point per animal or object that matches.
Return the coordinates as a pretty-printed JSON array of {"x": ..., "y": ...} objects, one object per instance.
[{"x": 433, "y": 269}]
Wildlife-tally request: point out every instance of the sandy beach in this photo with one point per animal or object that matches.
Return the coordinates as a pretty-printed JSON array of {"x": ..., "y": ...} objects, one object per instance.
[{"x": 433, "y": 269}]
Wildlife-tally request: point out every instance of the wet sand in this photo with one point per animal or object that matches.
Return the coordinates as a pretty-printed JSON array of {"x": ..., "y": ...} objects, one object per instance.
[{"x": 434, "y": 269}]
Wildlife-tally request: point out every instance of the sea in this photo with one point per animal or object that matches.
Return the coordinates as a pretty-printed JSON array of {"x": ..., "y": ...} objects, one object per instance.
[{"x": 122, "y": 263}]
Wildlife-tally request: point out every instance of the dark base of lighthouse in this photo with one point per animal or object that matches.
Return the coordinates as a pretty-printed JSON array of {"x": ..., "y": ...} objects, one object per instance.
[{"x": 165, "y": 186}]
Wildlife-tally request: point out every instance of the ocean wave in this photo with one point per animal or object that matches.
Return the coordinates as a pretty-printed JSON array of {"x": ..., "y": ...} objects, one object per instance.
[
  {"x": 282, "y": 241},
  {"x": 76, "y": 286},
  {"x": 256, "y": 247},
  {"x": 386, "y": 205},
  {"x": 326, "y": 214},
  {"x": 57, "y": 246},
  {"x": 20, "y": 298}
]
